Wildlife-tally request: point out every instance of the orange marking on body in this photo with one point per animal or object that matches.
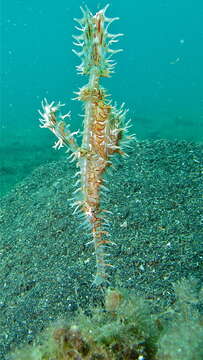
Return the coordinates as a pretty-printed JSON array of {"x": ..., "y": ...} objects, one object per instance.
[
  {"x": 102, "y": 242},
  {"x": 99, "y": 25}
]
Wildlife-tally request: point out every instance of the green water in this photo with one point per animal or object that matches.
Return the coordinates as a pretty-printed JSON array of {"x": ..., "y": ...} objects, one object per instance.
[{"x": 159, "y": 74}]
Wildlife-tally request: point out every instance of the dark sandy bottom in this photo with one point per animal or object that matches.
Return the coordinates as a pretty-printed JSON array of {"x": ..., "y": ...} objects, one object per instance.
[{"x": 46, "y": 272}]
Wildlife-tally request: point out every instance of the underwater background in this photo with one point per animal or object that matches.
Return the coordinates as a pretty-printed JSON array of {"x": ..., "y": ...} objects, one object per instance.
[
  {"x": 155, "y": 194},
  {"x": 159, "y": 74}
]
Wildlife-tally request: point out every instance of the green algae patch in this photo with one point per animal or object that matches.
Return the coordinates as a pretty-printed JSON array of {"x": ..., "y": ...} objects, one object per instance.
[{"x": 126, "y": 328}]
